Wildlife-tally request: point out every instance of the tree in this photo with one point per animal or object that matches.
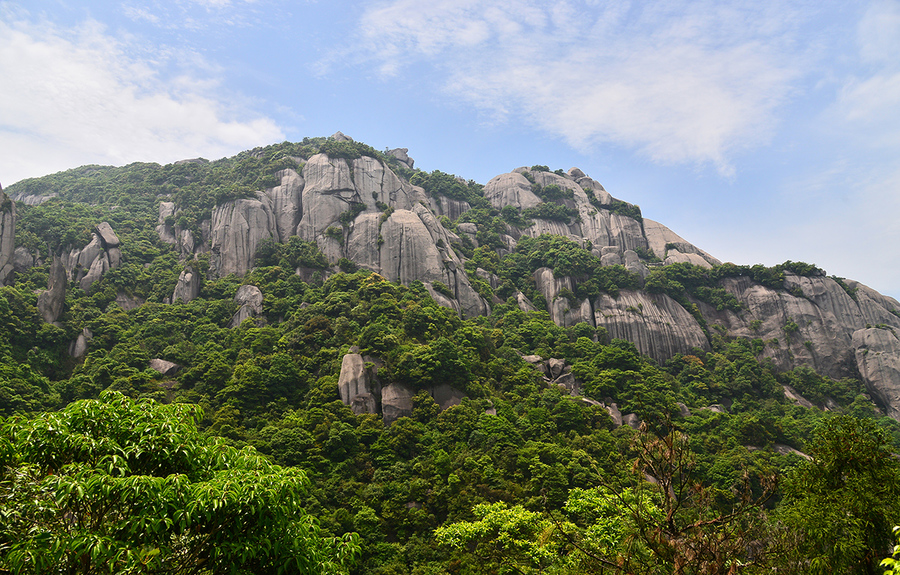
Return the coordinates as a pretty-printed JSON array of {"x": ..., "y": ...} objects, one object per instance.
[
  {"x": 842, "y": 501},
  {"x": 114, "y": 486}
]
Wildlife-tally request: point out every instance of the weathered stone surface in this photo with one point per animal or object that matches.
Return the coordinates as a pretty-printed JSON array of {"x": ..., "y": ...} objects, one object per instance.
[
  {"x": 80, "y": 345},
  {"x": 533, "y": 359},
  {"x": 50, "y": 301},
  {"x": 328, "y": 192},
  {"x": 446, "y": 396},
  {"x": 340, "y": 137},
  {"x": 632, "y": 421},
  {"x": 164, "y": 367},
  {"x": 793, "y": 395},
  {"x": 22, "y": 259},
  {"x": 107, "y": 235},
  {"x": 556, "y": 367},
  {"x": 683, "y": 410},
  {"x": 165, "y": 231},
  {"x": 237, "y": 228},
  {"x": 355, "y": 385},
  {"x": 7, "y": 235},
  {"x": 561, "y": 309},
  {"x": 614, "y": 414},
  {"x": 402, "y": 155},
  {"x": 286, "y": 203},
  {"x": 510, "y": 190},
  {"x": 188, "y": 286},
  {"x": 99, "y": 266},
  {"x": 86, "y": 258},
  {"x": 878, "y": 359},
  {"x": 396, "y": 402},
  {"x": 250, "y": 298},
  {"x": 659, "y": 236},
  {"x": 657, "y": 324},
  {"x": 127, "y": 302}
]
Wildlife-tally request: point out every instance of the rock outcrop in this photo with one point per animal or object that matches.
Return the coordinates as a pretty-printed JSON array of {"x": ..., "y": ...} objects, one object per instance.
[
  {"x": 7, "y": 236},
  {"x": 50, "y": 301},
  {"x": 188, "y": 286},
  {"x": 250, "y": 298}
]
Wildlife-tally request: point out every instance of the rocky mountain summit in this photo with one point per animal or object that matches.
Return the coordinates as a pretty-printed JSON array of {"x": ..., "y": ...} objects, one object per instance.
[{"x": 376, "y": 212}]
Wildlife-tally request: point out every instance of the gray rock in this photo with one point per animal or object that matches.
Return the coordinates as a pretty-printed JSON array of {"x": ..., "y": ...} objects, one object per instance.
[
  {"x": 614, "y": 414},
  {"x": 127, "y": 302},
  {"x": 788, "y": 450},
  {"x": 107, "y": 235},
  {"x": 446, "y": 396},
  {"x": 510, "y": 190},
  {"x": 237, "y": 228},
  {"x": 532, "y": 359},
  {"x": 164, "y": 367},
  {"x": 250, "y": 298},
  {"x": 115, "y": 257},
  {"x": 7, "y": 235},
  {"x": 188, "y": 286},
  {"x": 402, "y": 155},
  {"x": 99, "y": 266},
  {"x": 286, "y": 203},
  {"x": 632, "y": 421},
  {"x": 878, "y": 359},
  {"x": 50, "y": 301},
  {"x": 524, "y": 303},
  {"x": 355, "y": 384},
  {"x": 86, "y": 258},
  {"x": 659, "y": 236},
  {"x": 715, "y": 408},
  {"x": 80, "y": 345},
  {"x": 683, "y": 410},
  {"x": 793, "y": 395},
  {"x": 166, "y": 232},
  {"x": 22, "y": 259},
  {"x": 556, "y": 367},
  {"x": 396, "y": 402},
  {"x": 340, "y": 137}
]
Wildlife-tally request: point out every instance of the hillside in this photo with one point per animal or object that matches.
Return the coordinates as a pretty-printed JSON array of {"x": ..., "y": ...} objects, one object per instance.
[{"x": 420, "y": 345}]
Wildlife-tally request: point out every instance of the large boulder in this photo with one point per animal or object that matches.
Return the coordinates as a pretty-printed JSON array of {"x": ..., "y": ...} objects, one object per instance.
[
  {"x": 286, "y": 203},
  {"x": 878, "y": 358},
  {"x": 188, "y": 286},
  {"x": 356, "y": 385},
  {"x": 237, "y": 228},
  {"x": 250, "y": 298},
  {"x": 7, "y": 235},
  {"x": 396, "y": 402},
  {"x": 50, "y": 301}
]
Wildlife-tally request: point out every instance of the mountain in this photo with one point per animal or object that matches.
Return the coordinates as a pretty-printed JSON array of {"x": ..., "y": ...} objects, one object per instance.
[
  {"x": 370, "y": 210},
  {"x": 449, "y": 364}
]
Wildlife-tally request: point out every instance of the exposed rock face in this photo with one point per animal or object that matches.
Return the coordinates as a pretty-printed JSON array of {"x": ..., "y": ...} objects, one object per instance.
[
  {"x": 188, "y": 286},
  {"x": 878, "y": 359},
  {"x": 657, "y": 324},
  {"x": 402, "y": 155},
  {"x": 7, "y": 235},
  {"x": 250, "y": 298},
  {"x": 357, "y": 386},
  {"x": 50, "y": 302},
  {"x": 285, "y": 203},
  {"x": 237, "y": 228},
  {"x": 396, "y": 402},
  {"x": 164, "y": 367},
  {"x": 99, "y": 266},
  {"x": 23, "y": 260},
  {"x": 80, "y": 345},
  {"x": 659, "y": 236},
  {"x": 107, "y": 236}
]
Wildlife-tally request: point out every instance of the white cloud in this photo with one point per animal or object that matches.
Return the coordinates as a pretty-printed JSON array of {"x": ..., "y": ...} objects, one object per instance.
[
  {"x": 682, "y": 82},
  {"x": 74, "y": 97}
]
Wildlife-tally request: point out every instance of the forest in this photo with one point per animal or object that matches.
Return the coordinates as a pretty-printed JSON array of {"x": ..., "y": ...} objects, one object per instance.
[{"x": 246, "y": 459}]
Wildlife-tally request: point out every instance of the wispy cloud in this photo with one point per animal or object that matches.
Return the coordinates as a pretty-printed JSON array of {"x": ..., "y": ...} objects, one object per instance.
[
  {"x": 70, "y": 97},
  {"x": 683, "y": 82}
]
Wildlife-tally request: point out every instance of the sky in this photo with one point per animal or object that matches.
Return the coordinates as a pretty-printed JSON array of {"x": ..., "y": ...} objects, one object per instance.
[{"x": 759, "y": 131}]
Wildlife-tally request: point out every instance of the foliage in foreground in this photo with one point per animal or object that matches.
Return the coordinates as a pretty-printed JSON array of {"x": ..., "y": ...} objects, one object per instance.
[{"x": 114, "y": 486}]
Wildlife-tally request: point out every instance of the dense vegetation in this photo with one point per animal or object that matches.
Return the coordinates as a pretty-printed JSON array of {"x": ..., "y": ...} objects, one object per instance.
[{"x": 247, "y": 459}]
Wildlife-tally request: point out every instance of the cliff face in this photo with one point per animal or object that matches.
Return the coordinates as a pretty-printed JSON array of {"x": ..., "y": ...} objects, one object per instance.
[{"x": 361, "y": 210}]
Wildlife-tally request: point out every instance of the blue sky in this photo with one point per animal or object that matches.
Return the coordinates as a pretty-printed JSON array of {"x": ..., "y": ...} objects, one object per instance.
[{"x": 760, "y": 131}]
